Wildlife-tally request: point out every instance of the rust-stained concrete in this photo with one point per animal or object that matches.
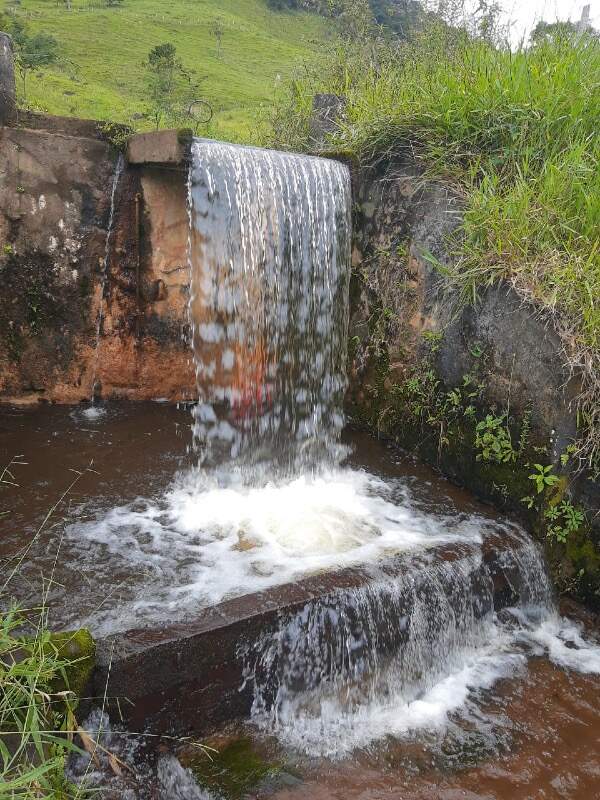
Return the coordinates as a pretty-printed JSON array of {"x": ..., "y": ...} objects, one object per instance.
[
  {"x": 160, "y": 147},
  {"x": 54, "y": 209}
]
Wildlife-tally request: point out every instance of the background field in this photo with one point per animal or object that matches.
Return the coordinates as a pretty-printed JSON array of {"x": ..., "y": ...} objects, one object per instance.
[{"x": 102, "y": 51}]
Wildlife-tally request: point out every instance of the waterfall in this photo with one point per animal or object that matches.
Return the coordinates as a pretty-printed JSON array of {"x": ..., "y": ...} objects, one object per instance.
[
  {"x": 104, "y": 273},
  {"x": 269, "y": 255},
  {"x": 400, "y": 652}
]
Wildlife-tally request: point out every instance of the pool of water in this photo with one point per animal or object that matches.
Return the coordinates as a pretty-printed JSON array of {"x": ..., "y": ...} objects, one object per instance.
[
  {"x": 140, "y": 537},
  {"x": 508, "y": 708}
]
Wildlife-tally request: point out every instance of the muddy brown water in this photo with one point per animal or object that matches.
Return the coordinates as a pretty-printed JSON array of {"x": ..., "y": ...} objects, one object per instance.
[
  {"x": 128, "y": 453},
  {"x": 537, "y": 738},
  {"x": 532, "y": 737},
  {"x": 107, "y": 460}
]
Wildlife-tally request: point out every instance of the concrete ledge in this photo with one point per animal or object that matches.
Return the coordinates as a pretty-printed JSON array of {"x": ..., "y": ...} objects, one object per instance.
[
  {"x": 161, "y": 147},
  {"x": 67, "y": 126},
  {"x": 189, "y": 677}
]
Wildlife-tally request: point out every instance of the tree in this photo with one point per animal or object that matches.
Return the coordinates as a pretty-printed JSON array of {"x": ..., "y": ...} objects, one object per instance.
[
  {"x": 169, "y": 86},
  {"x": 217, "y": 30},
  {"x": 355, "y": 18},
  {"x": 397, "y": 16},
  {"x": 548, "y": 31},
  {"x": 32, "y": 53}
]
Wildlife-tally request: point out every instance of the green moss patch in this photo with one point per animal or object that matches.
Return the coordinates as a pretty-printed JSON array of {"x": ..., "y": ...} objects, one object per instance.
[
  {"x": 79, "y": 650},
  {"x": 232, "y": 770}
]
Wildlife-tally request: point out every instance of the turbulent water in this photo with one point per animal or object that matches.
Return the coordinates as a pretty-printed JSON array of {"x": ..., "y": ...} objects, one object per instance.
[
  {"x": 270, "y": 260},
  {"x": 212, "y": 536},
  {"x": 404, "y": 651},
  {"x": 449, "y": 600}
]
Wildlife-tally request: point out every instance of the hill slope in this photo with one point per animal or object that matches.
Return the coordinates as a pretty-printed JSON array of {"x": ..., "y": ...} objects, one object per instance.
[{"x": 102, "y": 50}]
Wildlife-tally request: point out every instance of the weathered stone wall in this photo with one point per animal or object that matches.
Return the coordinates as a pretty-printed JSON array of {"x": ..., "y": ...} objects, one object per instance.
[
  {"x": 427, "y": 369},
  {"x": 144, "y": 351},
  {"x": 53, "y": 214},
  {"x": 55, "y": 191}
]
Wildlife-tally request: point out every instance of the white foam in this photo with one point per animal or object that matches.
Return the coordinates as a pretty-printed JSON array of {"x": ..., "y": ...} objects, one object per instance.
[
  {"x": 93, "y": 412},
  {"x": 212, "y": 537},
  {"x": 330, "y": 723},
  {"x": 334, "y": 731},
  {"x": 177, "y": 783},
  {"x": 562, "y": 641}
]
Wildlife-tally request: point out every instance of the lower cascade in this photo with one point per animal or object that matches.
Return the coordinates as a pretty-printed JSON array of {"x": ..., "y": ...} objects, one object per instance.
[{"x": 415, "y": 644}]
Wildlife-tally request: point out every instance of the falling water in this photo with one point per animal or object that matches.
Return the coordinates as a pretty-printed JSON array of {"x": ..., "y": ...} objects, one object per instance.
[
  {"x": 447, "y": 602},
  {"x": 104, "y": 272},
  {"x": 401, "y": 652},
  {"x": 269, "y": 258}
]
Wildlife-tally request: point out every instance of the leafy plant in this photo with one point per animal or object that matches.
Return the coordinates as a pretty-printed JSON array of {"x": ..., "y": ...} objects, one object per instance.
[
  {"x": 433, "y": 339},
  {"x": 493, "y": 440},
  {"x": 543, "y": 477},
  {"x": 116, "y": 134},
  {"x": 565, "y": 457},
  {"x": 565, "y": 519},
  {"x": 524, "y": 433}
]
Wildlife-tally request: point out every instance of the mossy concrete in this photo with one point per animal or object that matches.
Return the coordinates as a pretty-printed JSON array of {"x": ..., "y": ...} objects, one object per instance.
[
  {"x": 231, "y": 769},
  {"x": 78, "y": 648}
]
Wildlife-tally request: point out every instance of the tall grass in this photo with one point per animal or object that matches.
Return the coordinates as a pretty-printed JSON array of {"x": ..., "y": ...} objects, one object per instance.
[
  {"x": 519, "y": 133},
  {"x": 40, "y": 675},
  {"x": 36, "y": 710}
]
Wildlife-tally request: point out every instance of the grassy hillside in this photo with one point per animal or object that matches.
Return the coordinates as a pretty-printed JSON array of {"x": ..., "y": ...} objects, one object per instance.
[
  {"x": 518, "y": 134},
  {"x": 102, "y": 50}
]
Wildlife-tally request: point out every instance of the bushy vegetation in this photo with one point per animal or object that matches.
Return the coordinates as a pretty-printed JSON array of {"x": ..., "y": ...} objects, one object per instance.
[{"x": 517, "y": 133}]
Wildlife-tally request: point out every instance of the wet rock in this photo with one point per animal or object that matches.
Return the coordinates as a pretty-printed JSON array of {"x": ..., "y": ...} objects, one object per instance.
[{"x": 194, "y": 677}]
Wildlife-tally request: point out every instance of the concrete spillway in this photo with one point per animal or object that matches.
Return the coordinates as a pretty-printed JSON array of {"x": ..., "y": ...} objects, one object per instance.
[{"x": 404, "y": 620}]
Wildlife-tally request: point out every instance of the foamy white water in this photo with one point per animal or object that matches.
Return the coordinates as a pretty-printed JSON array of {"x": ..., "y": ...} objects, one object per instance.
[
  {"x": 321, "y": 703},
  {"x": 212, "y": 537},
  {"x": 332, "y": 724}
]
